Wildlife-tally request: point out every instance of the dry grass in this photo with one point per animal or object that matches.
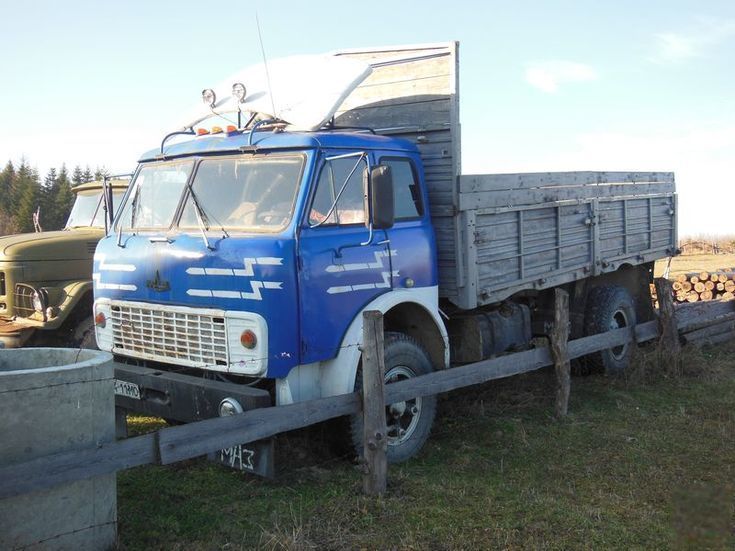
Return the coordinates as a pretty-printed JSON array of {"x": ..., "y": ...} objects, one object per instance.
[
  {"x": 685, "y": 264},
  {"x": 645, "y": 461}
]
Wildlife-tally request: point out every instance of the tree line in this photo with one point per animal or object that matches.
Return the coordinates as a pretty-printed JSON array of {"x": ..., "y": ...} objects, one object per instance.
[{"x": 23, "y": 193}]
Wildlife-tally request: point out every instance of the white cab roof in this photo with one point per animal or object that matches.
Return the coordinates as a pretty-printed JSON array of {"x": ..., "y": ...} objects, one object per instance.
[{"x": 304, "y": 90}]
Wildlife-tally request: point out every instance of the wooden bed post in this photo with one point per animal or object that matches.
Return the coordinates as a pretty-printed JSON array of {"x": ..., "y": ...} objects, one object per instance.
[{"x": 559, "y": 337}]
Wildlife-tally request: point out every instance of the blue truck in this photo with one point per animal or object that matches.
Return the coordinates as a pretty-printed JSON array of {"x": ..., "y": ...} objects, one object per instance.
[{"x": 243, "y": 256}]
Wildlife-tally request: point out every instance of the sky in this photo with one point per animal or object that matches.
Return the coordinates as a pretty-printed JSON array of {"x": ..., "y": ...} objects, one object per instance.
[{"x": 544, "y": 85}]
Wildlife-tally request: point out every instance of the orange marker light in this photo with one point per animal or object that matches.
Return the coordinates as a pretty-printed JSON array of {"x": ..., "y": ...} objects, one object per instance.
[
  {"x": 231, "y": 129},
  {"x": 100, "y": 320},
  {"x": 248, "y": 339},
  {"x": 202, "y": 131}
]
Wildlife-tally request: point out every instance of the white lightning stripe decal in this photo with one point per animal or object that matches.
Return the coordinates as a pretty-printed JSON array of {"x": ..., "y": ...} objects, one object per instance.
[
  {"x": 199, "y": 293},
  {"x": 364, "y": 286},
  {"x": 246, "y": 272},
  {"x": 114, "y": 267},
  {"x": 379, "y": 256},
  {"x": 112, "y": 286},
  {"x": 255, "y": 294},
  {"x": 117, "y": 287}
]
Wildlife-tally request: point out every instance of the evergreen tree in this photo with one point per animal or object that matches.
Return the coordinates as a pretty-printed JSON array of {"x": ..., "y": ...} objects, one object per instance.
[
  {"x": 64, "y": 197},
  {"x": 87, "y": 175},
  {"x": 7, "y": 188},
  {"x": 49, "y": 191},
  {"x": 28, "y": 196},
  {"x": 77, "y": 176},
  {"x": 101, "y": 173}
]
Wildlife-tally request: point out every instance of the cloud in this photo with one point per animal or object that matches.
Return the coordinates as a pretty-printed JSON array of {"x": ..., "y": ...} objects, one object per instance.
[
  {"x": 700, "y": 156},
  {"x": 706, "y": 33},
  {"x": 549, "y": 75}
]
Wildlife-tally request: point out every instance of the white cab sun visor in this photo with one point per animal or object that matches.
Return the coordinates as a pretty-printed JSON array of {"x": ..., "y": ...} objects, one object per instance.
[{"x": 304, "y": 91}]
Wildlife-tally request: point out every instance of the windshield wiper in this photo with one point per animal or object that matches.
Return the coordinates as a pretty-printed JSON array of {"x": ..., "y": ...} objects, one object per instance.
[
  {"x": 133, "y": 208},
  {"x": 203, "y": 219}
]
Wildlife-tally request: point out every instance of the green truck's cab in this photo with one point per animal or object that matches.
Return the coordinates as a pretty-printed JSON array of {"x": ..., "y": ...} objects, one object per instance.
[{"x": 46, "y": 277}]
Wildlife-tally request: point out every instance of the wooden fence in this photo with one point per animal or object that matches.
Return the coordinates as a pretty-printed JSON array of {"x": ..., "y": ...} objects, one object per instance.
[{"x": 691, "y": 323}]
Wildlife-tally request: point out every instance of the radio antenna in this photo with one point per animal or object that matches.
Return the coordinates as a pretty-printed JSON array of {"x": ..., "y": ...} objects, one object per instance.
[{"x": 265, "y": 64}]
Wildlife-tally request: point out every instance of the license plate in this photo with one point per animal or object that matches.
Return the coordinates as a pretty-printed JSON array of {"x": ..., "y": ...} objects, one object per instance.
[{"x": 129, "y": 390}]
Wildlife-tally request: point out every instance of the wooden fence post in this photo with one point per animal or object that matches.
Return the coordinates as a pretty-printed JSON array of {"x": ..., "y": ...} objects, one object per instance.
[
  {"x": 669, "y": 346},
  {"x": 373, "y": 404},
  {"x": 559, "y": 337}
]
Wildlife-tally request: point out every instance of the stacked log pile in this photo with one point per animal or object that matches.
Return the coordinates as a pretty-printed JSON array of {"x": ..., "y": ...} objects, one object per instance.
[
  {"x": 706, "y": 323},
  {"x": 704, "y": 286}
]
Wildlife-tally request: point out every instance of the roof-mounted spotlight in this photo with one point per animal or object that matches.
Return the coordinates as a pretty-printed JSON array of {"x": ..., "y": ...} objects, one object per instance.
[
  {"x": 209, "y": 97},
  {"x": 238, "y": 92}
]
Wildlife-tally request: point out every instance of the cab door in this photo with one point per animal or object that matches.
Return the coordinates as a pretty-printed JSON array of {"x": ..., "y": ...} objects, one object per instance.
[{"x": 342, "y": 267}]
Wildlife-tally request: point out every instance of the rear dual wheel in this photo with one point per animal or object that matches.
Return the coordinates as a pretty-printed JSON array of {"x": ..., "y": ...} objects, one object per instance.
[{"x": 610, "y": 307}]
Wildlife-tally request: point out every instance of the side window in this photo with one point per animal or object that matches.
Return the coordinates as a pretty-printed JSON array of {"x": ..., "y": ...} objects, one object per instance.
[
  {"x": 406, "y": 192},
  {"x": 350, "y": 207}
]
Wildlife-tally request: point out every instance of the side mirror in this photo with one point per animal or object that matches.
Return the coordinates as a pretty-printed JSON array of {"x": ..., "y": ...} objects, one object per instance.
[{"x": 381, "y": 197}]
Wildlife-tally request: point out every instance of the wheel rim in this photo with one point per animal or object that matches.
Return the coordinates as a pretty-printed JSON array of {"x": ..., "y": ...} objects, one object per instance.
[
  {"x": 401, "y": 418},
  {"x": 618, "y": 321}
]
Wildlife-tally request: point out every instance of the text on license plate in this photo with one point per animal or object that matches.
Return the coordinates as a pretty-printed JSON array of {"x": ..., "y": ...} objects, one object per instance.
[{"x": 129, "y": 390}]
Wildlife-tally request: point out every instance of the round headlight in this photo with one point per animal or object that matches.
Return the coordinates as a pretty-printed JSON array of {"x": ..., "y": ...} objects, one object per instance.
[
  {"x": 39, "y": 300},
  {"x": 229, "y": 406},
  {"x": 209, "y": 97},
  {"x": 238, "y": 91}
]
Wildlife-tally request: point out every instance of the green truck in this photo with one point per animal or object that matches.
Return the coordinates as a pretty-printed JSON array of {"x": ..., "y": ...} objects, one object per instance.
[{"x": 46, "y": 277}]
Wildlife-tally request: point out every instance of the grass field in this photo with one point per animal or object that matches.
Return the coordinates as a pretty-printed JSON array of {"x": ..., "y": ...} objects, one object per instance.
[
  {"x": 646, "y": 462},
  {"x": 696, "y": 263}
]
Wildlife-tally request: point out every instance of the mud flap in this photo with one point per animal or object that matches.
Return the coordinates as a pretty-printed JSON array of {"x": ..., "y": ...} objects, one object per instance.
[{"x": 254, "y": 457}]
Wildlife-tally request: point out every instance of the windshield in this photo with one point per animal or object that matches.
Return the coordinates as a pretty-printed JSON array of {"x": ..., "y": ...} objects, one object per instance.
[
  {"x": 246, "y": 193},
  {"x": 155, "y": 195},
  {"x": 88, "y": 211}
]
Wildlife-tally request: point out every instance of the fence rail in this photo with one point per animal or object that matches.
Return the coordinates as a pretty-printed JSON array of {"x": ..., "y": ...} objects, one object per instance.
[{"x": 695, "y": 323}]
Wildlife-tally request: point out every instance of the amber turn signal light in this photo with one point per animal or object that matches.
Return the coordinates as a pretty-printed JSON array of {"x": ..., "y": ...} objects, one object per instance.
[
  {"x": 100, "y": 320},
  {"x": 248, "y": 339}
]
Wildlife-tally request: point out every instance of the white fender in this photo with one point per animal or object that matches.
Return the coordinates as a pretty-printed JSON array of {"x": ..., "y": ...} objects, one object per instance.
[{"x": 337, "y": 376}]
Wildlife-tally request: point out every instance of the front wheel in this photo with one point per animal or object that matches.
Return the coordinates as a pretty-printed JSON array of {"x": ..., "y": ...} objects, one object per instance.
[{"x": 409, "y": 423}]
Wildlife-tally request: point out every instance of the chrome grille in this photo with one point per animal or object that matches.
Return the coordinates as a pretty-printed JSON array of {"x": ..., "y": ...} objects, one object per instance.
[
  {"x": 170, "y": 336},
  {"x": 24, "y": 300}
]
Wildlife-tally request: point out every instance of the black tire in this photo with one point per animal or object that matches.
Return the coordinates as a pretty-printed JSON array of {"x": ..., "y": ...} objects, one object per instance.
[
  {"x": 404, "y": 359},
  {"x": 84, "y": 335},
  {"x": 610, "y": 307}
]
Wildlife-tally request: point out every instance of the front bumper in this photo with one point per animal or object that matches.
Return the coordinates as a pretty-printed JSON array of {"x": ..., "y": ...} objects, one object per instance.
[
  {"x": 186, "y": 398},
  {"x": 14, "y": 334}
]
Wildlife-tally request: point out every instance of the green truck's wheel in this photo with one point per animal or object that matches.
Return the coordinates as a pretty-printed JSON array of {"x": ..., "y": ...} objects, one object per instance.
[{"x": 83, "y": 335}]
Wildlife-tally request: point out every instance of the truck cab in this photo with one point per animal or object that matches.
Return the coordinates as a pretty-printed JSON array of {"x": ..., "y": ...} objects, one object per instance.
[
  {"x": 46, "y": 277},
  {"x": 255, "y": 260}
]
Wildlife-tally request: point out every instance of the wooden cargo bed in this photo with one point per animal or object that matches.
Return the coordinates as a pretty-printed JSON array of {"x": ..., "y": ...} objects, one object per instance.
[{"x": 498, "y": 234}]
